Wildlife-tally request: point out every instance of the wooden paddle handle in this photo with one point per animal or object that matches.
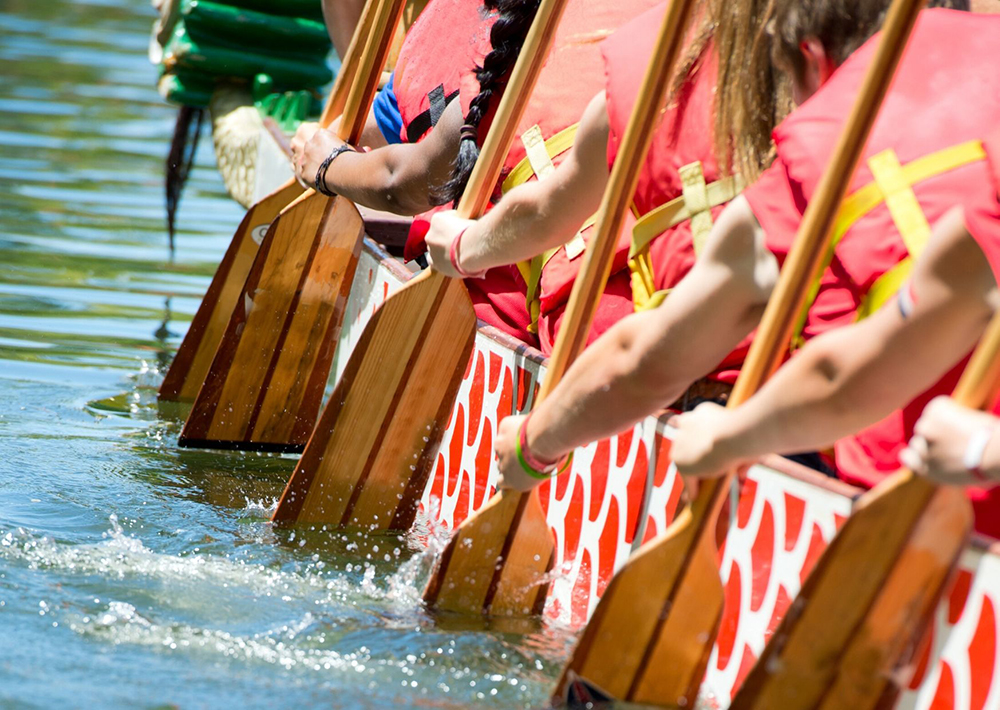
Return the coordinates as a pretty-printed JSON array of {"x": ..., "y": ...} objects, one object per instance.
[
  {"x": 813, "y": 240},
  {"x": 593, "y": 276},
  {"x": 385, "y": 20},
  {"x": 981, "y": 379},
  {"x": 530, "y": 60},
  {"x": 349, "y": 65}
]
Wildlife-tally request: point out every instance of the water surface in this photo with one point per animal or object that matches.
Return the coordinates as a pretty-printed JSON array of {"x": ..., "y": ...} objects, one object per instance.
[{"x": 134, "y": 573}]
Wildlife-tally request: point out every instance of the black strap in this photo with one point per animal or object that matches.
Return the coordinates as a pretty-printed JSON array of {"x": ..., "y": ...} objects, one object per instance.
[{"x": 426, "y": 120}]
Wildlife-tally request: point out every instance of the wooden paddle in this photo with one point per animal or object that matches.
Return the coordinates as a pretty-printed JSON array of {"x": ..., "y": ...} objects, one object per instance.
[
  {"x": 865, "y": 608},
  {"x": 196, "y": 351},
  {"x": 368, "y": 460},
  {"x": 651, "y": 634},
  {"x": 265, "y": 384},
  {"x": 496, "y": 560}
]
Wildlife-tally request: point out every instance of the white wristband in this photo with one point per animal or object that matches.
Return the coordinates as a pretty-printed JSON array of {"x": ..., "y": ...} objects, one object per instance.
[{"x": 975, "y": 449}]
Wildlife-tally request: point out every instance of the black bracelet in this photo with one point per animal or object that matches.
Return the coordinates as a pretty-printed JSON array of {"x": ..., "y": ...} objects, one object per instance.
[{"x": 325, "y": 165}]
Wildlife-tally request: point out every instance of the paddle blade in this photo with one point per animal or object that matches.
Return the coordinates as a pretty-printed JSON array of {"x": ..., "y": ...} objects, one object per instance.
[
  {"x": 868, "y": 603},
  {"x": 368, "y": 460},
  {"x": 265, "y": 384},
  {"x": 496, "y": 561},
  {"x": 196, "y": 351},
  {"x": 635, "y": 647}
]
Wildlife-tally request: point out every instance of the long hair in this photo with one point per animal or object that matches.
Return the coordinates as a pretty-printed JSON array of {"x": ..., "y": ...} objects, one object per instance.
[
  {"x": 506, "y": 37},
  {"x": 752, "y": 96}
]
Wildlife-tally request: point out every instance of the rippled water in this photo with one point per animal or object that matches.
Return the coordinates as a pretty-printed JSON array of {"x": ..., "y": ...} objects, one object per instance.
[{"x": 134, "y": 573}]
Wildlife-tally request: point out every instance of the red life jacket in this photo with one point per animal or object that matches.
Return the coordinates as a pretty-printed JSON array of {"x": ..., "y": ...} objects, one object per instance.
[
  {"x": 683, "y": 137},
  {"x": 437, "y": 59},
  {"x": 572, "y": 76},
  {"x": 925, "y": 148}
]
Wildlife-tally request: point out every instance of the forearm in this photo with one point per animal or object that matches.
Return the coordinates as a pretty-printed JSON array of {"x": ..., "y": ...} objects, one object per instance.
[
  {"x": 544, "y": 214},
  {"x": 380, "y": 180},
  {"x": 341, "y": 18},
  {"x": 527, "y": 222},
  {"x": 607, "y": 390},
  {"x": 852, "y": 377}
]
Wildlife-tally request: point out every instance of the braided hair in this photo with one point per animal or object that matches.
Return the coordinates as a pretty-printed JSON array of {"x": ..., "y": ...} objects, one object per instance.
[{"x": 506, "y": 39}]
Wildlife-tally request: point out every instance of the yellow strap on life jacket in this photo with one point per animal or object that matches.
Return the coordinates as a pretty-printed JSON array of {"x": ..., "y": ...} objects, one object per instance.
[
  {"x": 537, "y": 161},
  {"x": 695, "y": 203},
  {"x": 893, "y": 184},
  {"x": 532, "y": 140}
]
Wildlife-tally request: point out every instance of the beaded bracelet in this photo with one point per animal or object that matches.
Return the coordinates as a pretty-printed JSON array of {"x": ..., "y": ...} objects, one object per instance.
[
  {"x": 532, "y": 465},
  {"x": 321, "y": 187},
  {"x": 454, "y": 258}
]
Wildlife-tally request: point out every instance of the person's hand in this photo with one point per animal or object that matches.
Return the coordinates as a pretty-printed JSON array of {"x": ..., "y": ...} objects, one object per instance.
[
  {"x": 696, "y": 450},
  {"x": 512, "y": 475},
  {"x": 445, "y": 226},
  {"x": 310, "y": 147},
  {"x": 940, "y": 439}
]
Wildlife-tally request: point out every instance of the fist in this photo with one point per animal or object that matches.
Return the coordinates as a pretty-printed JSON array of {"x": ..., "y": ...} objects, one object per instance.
[
  {"x": 310, "y": 147},
  {"x": 696, "y": 449},
  {"x": 512, "y": 475},
  {"x": 445, "y": 226},
  {"x": 941, "y": 437}
]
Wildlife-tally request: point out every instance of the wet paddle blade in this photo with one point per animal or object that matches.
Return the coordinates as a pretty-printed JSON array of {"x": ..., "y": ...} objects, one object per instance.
[
  {"x": 633, "y": 647},
  {"x": 194, "y": 356},
  {"x": 368, "y": 460},
  {"x": 486, "y": 570},
  {"x": 265, "y": 384},
  {"x": 497, "y": 559},
  {"x": 879, "y": 581},
  {"x": 376, "y": 402},
  {"x": 868, "y": 603}
]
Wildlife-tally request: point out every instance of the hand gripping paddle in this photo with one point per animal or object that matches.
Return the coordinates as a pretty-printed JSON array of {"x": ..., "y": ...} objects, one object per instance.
[
  {"x": 651, "y": 634},
  {"x": 367, "y": 462},
  {"x": 496, "y": 560},
  {"x": 265, "y": 384},
  {"x": 865, "y": 608},
  {"x": 196, "y": 351}
]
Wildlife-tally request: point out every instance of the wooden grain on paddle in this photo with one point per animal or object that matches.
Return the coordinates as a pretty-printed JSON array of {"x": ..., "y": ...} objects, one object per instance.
[
  {"x": 194, "y": 356},
  {"x": 867, "y": 605},
  {"x": 497, "y": 559},
  {"x": 369, "y": 458},
  {"x": 693, "y": 586},
  {"x": 265, "y": 385}
]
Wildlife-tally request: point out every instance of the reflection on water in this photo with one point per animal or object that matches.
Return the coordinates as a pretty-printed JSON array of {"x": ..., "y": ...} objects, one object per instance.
[{"x": 132, "y": 572}]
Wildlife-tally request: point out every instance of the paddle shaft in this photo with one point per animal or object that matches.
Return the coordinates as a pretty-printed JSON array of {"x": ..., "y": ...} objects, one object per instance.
[
  {"x": 376, "y": 51},
  {"x": 802, "y": 267},
  {"x": 593, "y": 276},
  {"x": 690, "y": 535},
  {"x": 981, "y": 378},
  {"x": 349, "y": 66}
]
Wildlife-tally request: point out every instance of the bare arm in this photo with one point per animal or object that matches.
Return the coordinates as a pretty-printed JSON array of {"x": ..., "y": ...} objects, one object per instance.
[
  {"x": 396, "y": 178},
  {"x": 341, "y": 17},
  {"x": 537, "y": 215},
  {"x": 850, "y": 378},
  {"x": 648, "y": 359}
]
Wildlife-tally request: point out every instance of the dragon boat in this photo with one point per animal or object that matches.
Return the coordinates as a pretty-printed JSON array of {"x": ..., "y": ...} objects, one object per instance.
[{"x": 623, "y": 491}]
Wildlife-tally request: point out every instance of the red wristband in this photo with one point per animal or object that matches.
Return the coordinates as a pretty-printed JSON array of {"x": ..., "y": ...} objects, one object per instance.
[
  {"x": 532, "y": 460},
  {"x": 453, "y": 257}
]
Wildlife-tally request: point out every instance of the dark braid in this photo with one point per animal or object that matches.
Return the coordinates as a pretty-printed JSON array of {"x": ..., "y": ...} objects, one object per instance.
[{"x": 506, "y": 37}]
